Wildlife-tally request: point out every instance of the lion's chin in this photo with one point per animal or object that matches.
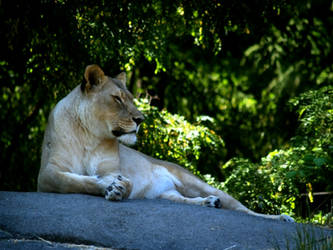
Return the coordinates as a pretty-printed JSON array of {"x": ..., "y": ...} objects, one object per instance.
[{"x": 128, "y": 139}]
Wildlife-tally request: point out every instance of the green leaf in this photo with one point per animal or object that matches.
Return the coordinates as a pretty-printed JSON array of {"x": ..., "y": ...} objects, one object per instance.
[
  {"x": 291, "y": 174},
  {"x": 320, "y": 161}
]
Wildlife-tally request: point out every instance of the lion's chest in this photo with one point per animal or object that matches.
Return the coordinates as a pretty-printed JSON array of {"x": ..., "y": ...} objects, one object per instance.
[{"x": 99, "y": 163}]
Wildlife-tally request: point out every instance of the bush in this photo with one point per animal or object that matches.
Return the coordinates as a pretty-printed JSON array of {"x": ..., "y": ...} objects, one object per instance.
[
  {"x": 259, "y": 187},
  {"x": 170, "y": 137},
  {"x": 304, "y": 165}
]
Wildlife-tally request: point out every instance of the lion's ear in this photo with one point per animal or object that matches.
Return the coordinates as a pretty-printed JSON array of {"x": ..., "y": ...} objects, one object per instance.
[
  {"x": 122, "y": 77},
  {"x": 93, "y": 76}
]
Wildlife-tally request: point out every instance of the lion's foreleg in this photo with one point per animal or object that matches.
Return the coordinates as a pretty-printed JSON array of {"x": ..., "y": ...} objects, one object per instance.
[
  {"x": 113, "y": 186},
  {"x": 59, "y": 181},
  {"x": 117, "y": 186}
]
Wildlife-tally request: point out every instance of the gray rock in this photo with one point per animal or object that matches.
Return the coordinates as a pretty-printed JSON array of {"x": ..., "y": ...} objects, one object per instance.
[{"x": 62, "y": 221}]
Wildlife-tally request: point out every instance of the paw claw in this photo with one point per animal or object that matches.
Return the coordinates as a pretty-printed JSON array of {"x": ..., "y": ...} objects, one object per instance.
[
  {"x": 118, "y": 190},
  {"x": 213, "y": 201},
  {"x": 217, "y": 203}
]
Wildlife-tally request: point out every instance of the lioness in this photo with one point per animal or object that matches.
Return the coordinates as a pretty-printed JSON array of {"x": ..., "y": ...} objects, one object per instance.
[{"x": 81, "y": 152}]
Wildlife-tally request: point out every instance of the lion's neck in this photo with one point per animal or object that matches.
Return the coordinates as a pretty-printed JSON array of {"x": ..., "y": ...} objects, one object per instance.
[
  {"x": 102, "y": 145},
  {"x": 77, "y": 117}
]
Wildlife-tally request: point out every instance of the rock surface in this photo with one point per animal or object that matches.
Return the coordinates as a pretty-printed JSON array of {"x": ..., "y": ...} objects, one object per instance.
[{"x": 62, "y": 221}]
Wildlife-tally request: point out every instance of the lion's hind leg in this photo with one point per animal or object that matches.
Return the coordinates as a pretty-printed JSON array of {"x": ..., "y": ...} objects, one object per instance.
[
  {"x": 174, "y": 195},
  {"x": 282, "y": 217}
]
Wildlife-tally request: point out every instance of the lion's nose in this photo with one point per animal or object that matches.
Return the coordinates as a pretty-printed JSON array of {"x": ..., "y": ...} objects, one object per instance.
[{"x": 138, "y": 120}]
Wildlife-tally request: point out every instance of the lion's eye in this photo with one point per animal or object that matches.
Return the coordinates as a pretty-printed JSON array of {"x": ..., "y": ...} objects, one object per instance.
[{"x": 117, "y": 98}]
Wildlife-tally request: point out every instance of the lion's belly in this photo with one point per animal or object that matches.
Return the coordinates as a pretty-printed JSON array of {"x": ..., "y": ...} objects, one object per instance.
[
  {"x": 152, "y": 185},
  {"x": 149, "y": 180}
]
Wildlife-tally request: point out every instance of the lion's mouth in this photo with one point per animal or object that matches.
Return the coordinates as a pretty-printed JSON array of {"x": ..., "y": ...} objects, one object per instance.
[{"x": 118, "y": 133}]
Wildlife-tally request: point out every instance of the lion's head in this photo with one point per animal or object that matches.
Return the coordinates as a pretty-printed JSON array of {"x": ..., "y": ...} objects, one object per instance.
[{"x": 107, "y": 109}]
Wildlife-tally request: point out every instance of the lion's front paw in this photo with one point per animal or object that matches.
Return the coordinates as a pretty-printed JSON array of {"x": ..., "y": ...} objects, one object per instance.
[
  {"x": 119, "y": 189},
  {"x": 212, "y": 201},
  {"x": 286, "y": 218}
]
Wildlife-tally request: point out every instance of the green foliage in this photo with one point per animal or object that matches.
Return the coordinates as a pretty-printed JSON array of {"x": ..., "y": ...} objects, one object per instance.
[
  {"x": 170, "y": 137},
  {"x": 303, "y": 166},
  {"x": 318, "y": 218},
  {"x": 246, "y": 87},
  {"x": 261, "y": 187}
]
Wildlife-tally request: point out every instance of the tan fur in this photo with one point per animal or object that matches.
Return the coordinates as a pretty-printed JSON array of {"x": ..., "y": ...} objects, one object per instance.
[{"x": 81, "y": 152}]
